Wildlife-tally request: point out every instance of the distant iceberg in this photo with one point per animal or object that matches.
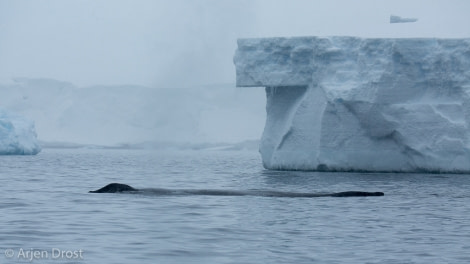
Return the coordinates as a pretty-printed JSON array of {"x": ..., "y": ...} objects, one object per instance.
[
  {"x": 399, "y": 19},
  {"x": 355, "y": 104},
  {"x": 128, "y": 115},
  {"x": 17, "y": 135}
]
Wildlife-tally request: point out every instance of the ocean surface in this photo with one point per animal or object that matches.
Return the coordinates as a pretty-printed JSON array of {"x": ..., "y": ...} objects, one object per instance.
[{"x": 48, "y": 216}]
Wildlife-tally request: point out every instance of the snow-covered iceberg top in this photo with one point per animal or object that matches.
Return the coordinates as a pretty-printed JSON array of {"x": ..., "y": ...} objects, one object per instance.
[
  {"x": 17, "y": 135},
  {"x": 347, "y": 103}
]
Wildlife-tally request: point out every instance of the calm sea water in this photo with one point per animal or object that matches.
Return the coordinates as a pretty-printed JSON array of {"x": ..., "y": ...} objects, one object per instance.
[{"x": 48, "y": 216}]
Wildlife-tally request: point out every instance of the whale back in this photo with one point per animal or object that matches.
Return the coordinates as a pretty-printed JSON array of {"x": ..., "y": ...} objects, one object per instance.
[
  {"x": 115, "y": 188},
  {"x": 356, "y": 194},
  {"x": 120, "y": 187}
]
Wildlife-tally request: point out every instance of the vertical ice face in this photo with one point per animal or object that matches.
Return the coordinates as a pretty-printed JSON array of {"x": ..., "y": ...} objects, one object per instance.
[
  {"x": 17, "y": 135},
  {"x": 345, "y": 103}
]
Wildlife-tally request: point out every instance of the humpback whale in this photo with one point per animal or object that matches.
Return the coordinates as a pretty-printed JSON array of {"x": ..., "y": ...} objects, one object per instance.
[{"x": 124, "y": 188}]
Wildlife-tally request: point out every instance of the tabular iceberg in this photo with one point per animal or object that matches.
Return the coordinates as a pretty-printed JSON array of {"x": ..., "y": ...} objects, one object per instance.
[
  {"x": 17, "y": 135},
  {"x": 355, "y": 104}
]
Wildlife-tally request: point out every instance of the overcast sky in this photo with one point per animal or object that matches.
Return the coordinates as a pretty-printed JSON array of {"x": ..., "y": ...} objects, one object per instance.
[{"x": 188, "y": 42}]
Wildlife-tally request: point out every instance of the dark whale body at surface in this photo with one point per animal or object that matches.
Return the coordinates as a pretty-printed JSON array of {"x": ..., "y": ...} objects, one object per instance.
[
  {"x": 114, "y": 188},
  {"x": 124, "y": 188}
]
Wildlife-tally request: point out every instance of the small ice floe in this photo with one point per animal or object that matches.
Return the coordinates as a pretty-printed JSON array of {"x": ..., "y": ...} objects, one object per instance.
[{"x": 399, "y": 19}]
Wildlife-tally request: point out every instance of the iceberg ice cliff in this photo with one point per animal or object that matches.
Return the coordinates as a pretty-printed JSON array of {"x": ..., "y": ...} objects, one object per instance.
[
  {"x": 355, "y": 104},
  {"x": 17, "y": 135}
]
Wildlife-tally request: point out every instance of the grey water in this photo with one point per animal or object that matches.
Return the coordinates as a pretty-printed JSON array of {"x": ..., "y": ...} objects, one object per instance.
[{"x": 48, "y": 216}]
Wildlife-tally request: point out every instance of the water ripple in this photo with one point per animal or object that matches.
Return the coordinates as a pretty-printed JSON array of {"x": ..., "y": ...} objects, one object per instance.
[{"x": 45, "y": 204}]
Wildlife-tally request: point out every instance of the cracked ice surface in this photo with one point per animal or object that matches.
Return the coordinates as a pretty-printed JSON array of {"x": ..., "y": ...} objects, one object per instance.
[{"x": 354, "y": 104}]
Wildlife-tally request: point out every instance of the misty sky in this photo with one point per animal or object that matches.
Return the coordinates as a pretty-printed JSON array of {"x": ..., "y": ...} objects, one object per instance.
[{"x": 188, "y": 42}]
